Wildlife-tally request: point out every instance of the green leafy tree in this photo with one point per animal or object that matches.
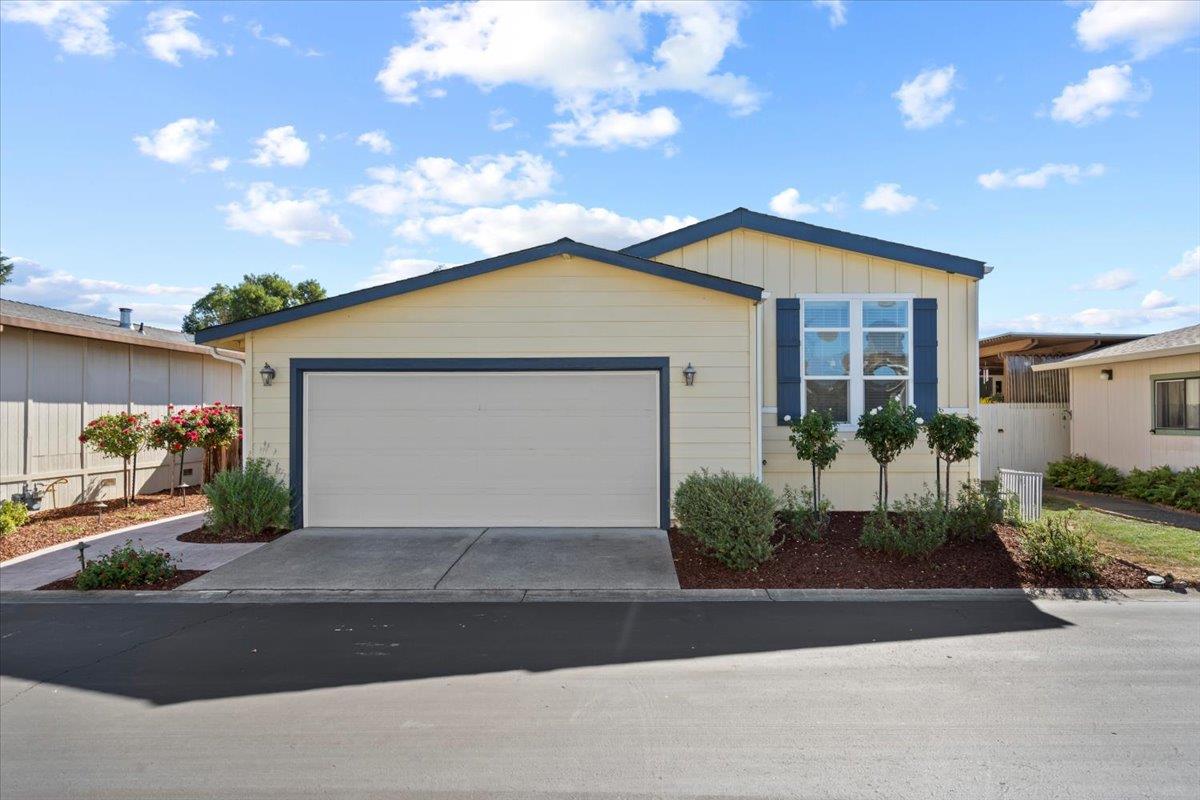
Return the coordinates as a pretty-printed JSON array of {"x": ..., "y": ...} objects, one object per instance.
[
  {"x": 6, "y": 268},
  {"x": 952, "y": 439},
  {"x": 888, "y": 430},
  {"x": 816, "y": 441},
  {"x": 118, "y": 436},
  {"x": 255, "y": 295}
]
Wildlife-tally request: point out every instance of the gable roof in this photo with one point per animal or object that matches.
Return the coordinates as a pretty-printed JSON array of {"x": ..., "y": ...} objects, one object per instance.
[
  {"x": 803, "y": 231},
  {"x": 1180, "y": 341},
  {"x": 561, "y": 247}
]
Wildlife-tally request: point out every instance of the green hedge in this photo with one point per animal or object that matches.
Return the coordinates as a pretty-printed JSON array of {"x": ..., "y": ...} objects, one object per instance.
[
  {"x": 1161, "y": 485},
  {"x": 732, "y": 517}
]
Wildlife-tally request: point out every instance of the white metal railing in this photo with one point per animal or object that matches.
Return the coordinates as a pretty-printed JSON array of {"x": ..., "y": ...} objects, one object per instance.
[{"x": 1027, "y": 486}]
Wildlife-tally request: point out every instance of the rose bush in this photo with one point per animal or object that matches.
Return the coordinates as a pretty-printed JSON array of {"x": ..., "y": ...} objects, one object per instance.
[
  {"x": 122, "y": 436},
  {"x": 208, "y": 427}
]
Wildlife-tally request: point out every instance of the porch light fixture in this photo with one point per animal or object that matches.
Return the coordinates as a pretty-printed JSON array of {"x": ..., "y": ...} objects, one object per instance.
[
  {"x": 268, "y": 374},
  {"x": 1106, "y": 374},
  {"x": 689, "y": 374}
]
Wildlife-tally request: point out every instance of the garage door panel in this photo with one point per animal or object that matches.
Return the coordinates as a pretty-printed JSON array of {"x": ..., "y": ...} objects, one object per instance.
[{"x": 529, "y": 448}]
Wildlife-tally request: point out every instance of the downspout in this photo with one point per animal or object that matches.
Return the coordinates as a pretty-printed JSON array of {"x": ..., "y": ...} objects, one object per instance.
[{"x": 758, "y": 368}]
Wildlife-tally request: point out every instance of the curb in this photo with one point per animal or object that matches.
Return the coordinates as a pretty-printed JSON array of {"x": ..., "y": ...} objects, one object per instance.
[{"x": 65, "y": 545}]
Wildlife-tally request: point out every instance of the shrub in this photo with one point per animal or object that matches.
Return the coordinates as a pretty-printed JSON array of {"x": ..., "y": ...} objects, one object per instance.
[
  {"x": 732, "y": 517},
  {"x": 12, "y": 516},
  {"x": 951, "y": 438},
  {"x": 1052, "y": 544},
  {"x": 248, "y": 501},
  {"x": 1187, "y": 496},
  {"x": 1082, "y": 473},
  {"x": 815, "y": 438},
  {"x": 917, "y": 526},
  {"x": 798, "y": 515},
  {"x": 978, "y": 507},
  {"x": 118, "y": 436},
  {"x": 888, "y": 431},
  {"x": 126, "y": 567},
  {"x": 1164, "y": 485}
]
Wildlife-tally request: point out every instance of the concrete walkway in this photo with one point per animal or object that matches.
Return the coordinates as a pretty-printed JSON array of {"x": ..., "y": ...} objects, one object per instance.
[
  {"x": 453, "y": 560},
  {"x": 43, "y": 569},
  {"x": 1127, "y": 507}
]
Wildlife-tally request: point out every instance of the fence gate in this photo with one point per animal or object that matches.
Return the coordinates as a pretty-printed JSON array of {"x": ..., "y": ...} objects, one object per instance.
[
  {"x": 1027, "y": 486},
  {"x": 1022, "y": 436}
]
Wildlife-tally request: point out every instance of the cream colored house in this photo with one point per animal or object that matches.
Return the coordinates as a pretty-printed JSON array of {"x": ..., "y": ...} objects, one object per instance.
[
  {"x": 1137, "y": 404},
  {"x": 59, "y": 370},
  {"x": 568, "y": 384}
]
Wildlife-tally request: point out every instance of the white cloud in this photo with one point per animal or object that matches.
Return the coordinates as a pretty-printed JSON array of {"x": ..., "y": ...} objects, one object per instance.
[
  {"x": 925, "y": 100},
  {"x": 513, "y": 227},
  {"x": 1146, "y": 26},
  {"x": 1095, "y": 98},
  {"x": 500, "y": 120},
  {"x": 80, "y": 27},
  {"x": 612, "y": 129},
  {"x": 153, "y": 303},
  {"x": 257, "y": 31},
  {"x": 590, "y": 57},
  {"x": 482, "y": 180},
  {"x": 280, "y": 146},
  {"x": 837, "y": 11},
  {"x": 268, "y": 210},
  {"x": 178, "y": 142},
  {"x": 788, "y": 204},
  {"x": 219, "y": 164},
  {"x": 1189, "y": 265},
  {"x": 1103, "y": 319},
  {"x": 888, "y": 198},
  {"x": 377, "y": 141},
  {"x": 397, "y": 269},
  {"x": 1038, "y": 178},
  {"x": 1157, "y": 299},
  {"x": 1112, "y": 281},
  {"x": 169, "y": 35}
]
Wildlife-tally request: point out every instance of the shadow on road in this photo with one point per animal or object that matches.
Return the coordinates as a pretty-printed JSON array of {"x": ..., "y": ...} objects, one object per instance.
[{"x": 174, "y": 653}]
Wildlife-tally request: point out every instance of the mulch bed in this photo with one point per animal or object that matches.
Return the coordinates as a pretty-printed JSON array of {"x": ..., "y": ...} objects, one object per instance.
[
  {"x": 203, "y": 535},
  {"x": 181, "y": 577},
  {"x": 75, "y": 522},
  {"x": 837, "y": 562}
]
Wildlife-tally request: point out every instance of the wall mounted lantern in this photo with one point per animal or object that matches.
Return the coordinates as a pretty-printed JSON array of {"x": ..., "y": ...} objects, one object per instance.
[
  {"x": 1106, "y": 374},
  {"x": 689, "y": 374},
  {"x": 268, "y": 374}
]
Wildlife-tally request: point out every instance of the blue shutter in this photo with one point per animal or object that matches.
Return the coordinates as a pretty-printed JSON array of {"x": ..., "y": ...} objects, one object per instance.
[
  {"x": 925, "y": 363},
  {"x": 787, "y": 358}
]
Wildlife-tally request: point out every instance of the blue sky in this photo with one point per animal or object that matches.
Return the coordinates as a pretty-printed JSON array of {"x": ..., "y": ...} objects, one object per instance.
[{"x": 148, "y": 150}]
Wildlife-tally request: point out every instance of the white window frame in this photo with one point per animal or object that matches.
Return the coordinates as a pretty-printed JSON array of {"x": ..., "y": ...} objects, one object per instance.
[{"x": 856, "y": 379}]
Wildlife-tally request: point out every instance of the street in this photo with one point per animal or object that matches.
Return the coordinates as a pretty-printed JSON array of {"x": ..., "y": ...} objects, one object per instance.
[{"x": 932, "y": 699}]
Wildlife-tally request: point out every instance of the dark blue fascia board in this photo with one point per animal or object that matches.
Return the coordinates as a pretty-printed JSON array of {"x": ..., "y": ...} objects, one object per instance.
[
  {"x": 562, "y": 246},
  {"x": 299, "y": 366},
  {"x": 793, "y": 229}
]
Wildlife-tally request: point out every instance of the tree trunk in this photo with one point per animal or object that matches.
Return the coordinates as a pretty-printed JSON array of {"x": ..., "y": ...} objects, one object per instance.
[
  {"x": 182, "y": 453},
  {"x": 816, "y": 488},
  {"x": 948, "y": 462},
  {"x": 125, "y": 475},
  {"x": 937, "y": 459},
  {"x": 133, "y": 479},
  {"x": 885, "y": 488}
]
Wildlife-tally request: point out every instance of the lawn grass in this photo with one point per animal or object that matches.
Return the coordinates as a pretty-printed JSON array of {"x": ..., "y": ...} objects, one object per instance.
[{"x": 1161, "y": 548}]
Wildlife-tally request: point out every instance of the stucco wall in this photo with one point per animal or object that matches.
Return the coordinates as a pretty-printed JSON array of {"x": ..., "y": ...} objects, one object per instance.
[
  {"x": 1111, "y": 420},
  {"x": 553, "y": 307},
  {"x": 785, "y": 268}
]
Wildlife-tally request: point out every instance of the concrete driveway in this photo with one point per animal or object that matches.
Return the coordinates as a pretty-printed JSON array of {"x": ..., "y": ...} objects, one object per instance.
[{"x": 382, "y": 559}]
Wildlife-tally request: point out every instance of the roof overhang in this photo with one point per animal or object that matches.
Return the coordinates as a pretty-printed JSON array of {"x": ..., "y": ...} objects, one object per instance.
[
  {"x": 563, "y": 247},
  {"x": 116, "y": 335},
  {"x": 1099, "y": 358},
  {"x": 803, "y": 231}
]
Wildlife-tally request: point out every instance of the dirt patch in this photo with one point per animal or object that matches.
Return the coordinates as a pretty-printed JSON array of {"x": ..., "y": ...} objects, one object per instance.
[
  {"x": 203, "y": 535},
  {"x": 837, "y": 562},
  {"x": 181, "y": 577},
  {"x": 46, "y": 528}
]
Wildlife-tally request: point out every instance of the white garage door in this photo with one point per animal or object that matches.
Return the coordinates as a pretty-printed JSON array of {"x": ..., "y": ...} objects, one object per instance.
[{"x": 481, "y": 448}]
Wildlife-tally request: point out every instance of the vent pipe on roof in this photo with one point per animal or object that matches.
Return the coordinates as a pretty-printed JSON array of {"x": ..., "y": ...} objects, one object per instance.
[{"x": 126, "y": 317}]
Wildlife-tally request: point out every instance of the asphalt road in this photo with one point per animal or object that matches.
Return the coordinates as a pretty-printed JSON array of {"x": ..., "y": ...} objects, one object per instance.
[{"x": 608, "y": 700}]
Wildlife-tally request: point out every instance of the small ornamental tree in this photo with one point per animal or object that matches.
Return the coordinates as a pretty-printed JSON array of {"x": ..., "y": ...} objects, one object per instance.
[
  {"x": 816, "y": 441},
  {"x": 175, "y": 433},
  {"x": 120, "y": 436},
  {"x": 207, "y": 427},
  {"x": 218, "y": 426},
  {"x": 952, "y": 439},
  {"x": 888, "y": 430}
]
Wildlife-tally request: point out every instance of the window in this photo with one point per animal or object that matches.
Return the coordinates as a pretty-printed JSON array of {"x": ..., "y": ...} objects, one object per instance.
[
  {"x": 1177, "y": 403},
  {"x": 856, "y": 353}
]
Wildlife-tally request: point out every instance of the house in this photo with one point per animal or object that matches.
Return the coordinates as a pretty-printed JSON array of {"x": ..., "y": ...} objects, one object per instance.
[
  {"x": 1005, "y": 360},
  {"x": 59, "y": 370},
  {"x": 1137, "y": 404},
  {"x": 568, "y": 384}
]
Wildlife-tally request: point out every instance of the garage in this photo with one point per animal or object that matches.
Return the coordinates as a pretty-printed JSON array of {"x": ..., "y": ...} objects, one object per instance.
[{"x": 475, "y": 444}]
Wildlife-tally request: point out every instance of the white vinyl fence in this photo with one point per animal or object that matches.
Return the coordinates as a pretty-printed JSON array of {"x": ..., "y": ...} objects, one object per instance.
[
  {"x": 1027, "y": 486},
  {"x": 1022, "y": 436}
]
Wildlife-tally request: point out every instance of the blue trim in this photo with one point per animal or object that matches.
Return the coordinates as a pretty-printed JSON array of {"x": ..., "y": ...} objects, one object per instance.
[
  {"x": 925, "y": 362},
  {"x": 792, "y": 229},
  {"x": 788, "y": 378},
  {"x": 299, "y": 366},
  {"x": 562, "y": 246}
]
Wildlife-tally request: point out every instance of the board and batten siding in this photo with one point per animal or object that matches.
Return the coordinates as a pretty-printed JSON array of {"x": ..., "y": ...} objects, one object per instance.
[
  {"x": 785, "y": 268},
  {"x": 552, "y": 307},
  {"x": 52, "y": 385},
  {"x": 1111, "y": 421}
]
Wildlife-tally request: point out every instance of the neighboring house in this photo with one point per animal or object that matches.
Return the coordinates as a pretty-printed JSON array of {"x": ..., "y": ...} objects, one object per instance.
[
  {"x": 1137, "y": 404},
  {"x": 568, "y": 384},
  {"x": 1005, "y": 362},
  {"x": 59, "y": 370}
]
